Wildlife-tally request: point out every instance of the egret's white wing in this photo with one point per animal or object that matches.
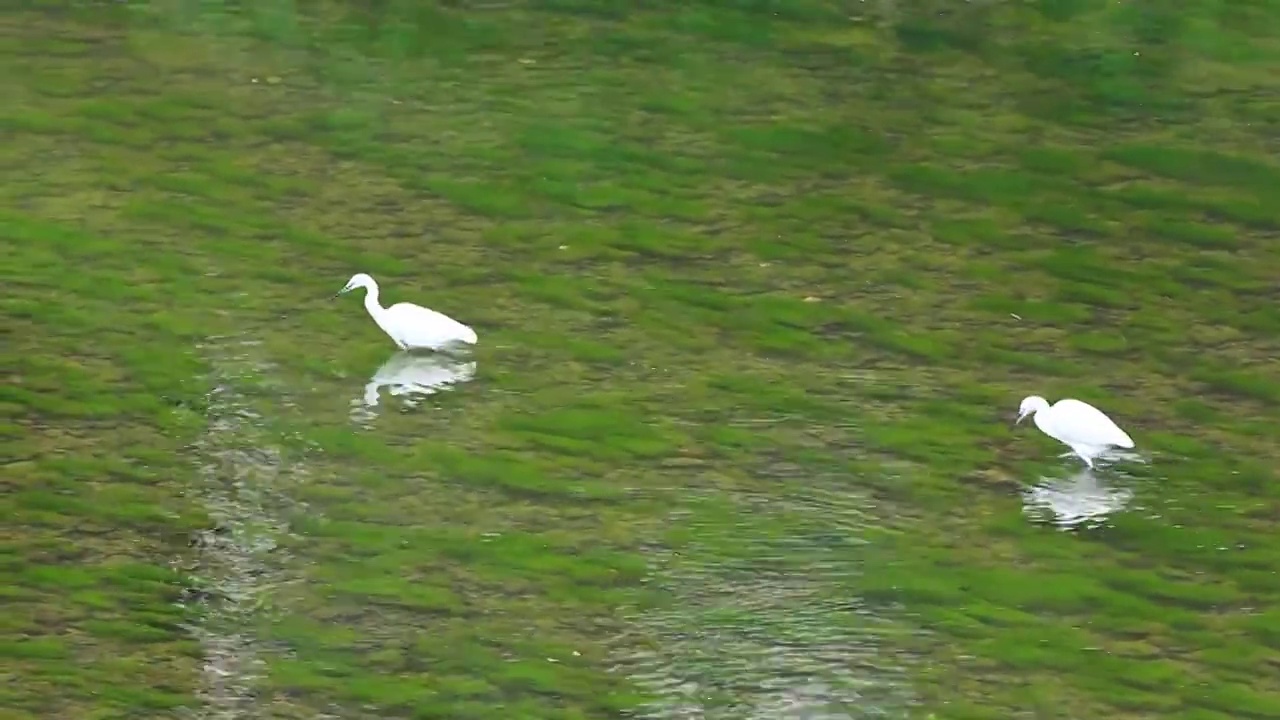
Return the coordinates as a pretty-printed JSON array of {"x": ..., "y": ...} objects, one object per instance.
[
  {"x": 1077, "y": 422},
  {"x": 417, "y": 326}
]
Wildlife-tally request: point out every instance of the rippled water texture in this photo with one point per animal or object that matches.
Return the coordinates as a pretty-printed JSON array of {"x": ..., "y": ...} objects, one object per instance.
[{"x": 762, "y": 626}]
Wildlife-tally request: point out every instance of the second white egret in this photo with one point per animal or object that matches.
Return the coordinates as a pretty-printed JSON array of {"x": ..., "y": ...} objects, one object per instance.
[
  {"x": 412, "y": 327},
  {"x": 1078, "y": 425}
]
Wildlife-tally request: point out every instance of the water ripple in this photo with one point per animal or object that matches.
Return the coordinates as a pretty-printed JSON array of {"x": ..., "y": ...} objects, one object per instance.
[{"x": 764, "y": 624}]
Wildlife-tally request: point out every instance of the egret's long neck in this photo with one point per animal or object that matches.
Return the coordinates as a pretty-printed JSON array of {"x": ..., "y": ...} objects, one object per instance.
[
  {"x": 371, "y": 301},
  {"x": 1042, "y": 421}
]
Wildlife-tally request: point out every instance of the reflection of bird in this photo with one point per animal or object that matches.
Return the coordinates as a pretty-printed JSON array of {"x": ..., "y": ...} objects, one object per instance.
[
  {"x": 1077, "y": 499},
  {"x": 411, "y": 326},
  {"x": 1078, "y": 425},
  {"x": 405, "y": 373}
]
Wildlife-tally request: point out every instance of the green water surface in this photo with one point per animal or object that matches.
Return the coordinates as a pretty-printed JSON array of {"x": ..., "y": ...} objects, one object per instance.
[{"x": 759, "y": 286}]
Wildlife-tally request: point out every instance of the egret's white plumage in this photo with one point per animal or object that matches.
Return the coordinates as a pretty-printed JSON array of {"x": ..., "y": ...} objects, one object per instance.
[
  {"x": 1078, "y": 425},
  {"x": 412, "y": 327}
]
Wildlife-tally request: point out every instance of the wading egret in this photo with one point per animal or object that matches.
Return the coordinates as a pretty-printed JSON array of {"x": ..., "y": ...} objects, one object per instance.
[
  {"x": 1078, "y": 425},
  {"x": 412, "y": 327}
]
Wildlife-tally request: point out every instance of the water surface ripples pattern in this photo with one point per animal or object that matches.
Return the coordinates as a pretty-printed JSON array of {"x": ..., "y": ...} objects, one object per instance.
[{"x": 765, "y": 626}]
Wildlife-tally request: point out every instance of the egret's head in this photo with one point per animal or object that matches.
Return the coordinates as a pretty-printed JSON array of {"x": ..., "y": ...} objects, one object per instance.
[
  {"x": 1030, "y": 406},
  {"x": 359, "y": 280}
]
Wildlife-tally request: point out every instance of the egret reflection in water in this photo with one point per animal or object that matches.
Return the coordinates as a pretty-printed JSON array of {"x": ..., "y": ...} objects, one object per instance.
[
  {"x": 1082, "y": 498},
  {"x": 413, "y": 377}
]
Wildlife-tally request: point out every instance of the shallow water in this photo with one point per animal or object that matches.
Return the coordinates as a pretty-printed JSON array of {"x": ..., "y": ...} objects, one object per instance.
[
  {"x": 757, "y": 288},
  {"x": 763, "y": 627}
]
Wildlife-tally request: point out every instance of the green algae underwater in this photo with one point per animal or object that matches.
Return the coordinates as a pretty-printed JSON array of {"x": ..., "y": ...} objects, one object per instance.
[{"x": 759, "y": 286}]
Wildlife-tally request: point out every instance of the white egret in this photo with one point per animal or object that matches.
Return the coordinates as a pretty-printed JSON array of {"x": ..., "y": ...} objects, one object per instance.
[
  {"x": 412, "y": 327},
  {"x": 1078, "y": 425}
]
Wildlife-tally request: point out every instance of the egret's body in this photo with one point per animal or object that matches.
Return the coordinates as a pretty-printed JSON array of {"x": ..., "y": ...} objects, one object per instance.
[
  {"x": 411, "y": 327},
  {"x": 1078, "y": 425}
]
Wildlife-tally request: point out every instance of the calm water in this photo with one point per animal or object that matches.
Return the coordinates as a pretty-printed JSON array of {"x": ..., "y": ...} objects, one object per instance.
[{"x": 757, "y": 287}]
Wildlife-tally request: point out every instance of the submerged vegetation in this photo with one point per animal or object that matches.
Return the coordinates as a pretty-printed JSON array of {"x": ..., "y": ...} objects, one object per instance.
[{"x": 758, "y": 287}]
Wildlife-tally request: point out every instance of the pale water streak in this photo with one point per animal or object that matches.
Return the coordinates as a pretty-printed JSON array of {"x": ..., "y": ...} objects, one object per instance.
[
  {"x": 765, "y": 623},
  {"x": 240, "y": 568}
]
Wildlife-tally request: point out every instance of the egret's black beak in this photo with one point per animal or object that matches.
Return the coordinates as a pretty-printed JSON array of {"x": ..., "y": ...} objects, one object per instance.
[{"x": 1018, "y": 420}]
